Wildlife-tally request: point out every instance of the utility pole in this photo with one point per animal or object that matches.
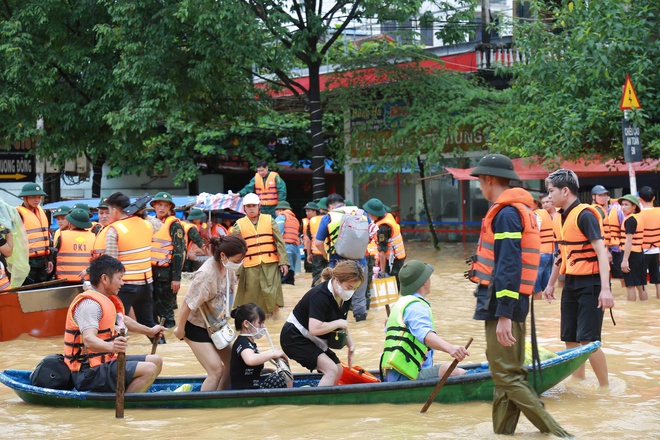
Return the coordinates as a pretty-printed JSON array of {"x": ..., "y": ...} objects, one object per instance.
[{"x": 485, "y": 32}]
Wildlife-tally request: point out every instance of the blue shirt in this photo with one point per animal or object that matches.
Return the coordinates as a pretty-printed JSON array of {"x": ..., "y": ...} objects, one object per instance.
[
  {"x": 280, "y": 220},
  {"x": 417, "y": 319},
  {"x": 323, "y": 233}
]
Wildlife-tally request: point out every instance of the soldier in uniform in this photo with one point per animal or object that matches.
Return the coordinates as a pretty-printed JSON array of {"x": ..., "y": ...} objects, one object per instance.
[
  {"x": 35, "y": 223},
  {"x": 193, "y": 227},
  {"x": 167, "y": 253}
]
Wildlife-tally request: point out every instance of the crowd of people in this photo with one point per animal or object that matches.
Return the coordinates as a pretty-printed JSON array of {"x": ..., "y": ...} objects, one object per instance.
[{"x": 529, "y": 244}]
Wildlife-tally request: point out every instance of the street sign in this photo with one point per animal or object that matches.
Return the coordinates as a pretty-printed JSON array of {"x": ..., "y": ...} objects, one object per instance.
[
  {"x": 629, "y": 99},
  {"x": 632, "y": 142},
  {"x": 17, "y": 167}
]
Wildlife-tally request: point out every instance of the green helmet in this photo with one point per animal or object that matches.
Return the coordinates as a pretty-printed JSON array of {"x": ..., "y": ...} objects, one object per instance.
[
  {"x": 60, "y": 211},
  {"x": 79, "y": 218},
  {"x": 496, "y": 165},
  {"x": 83, "y": 206},
  {"x": 196, "y": 214},
  {"x": 32, "y": 189},
  {"x": 103, "y": 203},
  {"x": 162, "y": 196}
]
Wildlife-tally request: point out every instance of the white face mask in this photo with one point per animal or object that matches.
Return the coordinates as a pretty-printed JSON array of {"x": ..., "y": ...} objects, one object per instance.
[
  {"x": 231, "y": 265},
  {"x": 259, "y": 332},
  {"x": 345, "y": 295}
]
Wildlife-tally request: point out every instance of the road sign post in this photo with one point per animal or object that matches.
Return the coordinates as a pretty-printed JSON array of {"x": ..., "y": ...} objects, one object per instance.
[{"x": 632, "y": 136}]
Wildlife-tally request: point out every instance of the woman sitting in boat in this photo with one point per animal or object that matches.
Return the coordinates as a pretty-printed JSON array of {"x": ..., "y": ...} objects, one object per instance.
[
  {"x": 247, "y": 364},
  {"x": 318, "y": 322},
  {"x": 410, "y": 338},
  {"x": 208, "y": 300}
]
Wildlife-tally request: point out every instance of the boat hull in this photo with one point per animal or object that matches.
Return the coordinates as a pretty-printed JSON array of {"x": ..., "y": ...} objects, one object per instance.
[
  {"x": 40, "y": 312},
  {"x": 477, "y": 385}
]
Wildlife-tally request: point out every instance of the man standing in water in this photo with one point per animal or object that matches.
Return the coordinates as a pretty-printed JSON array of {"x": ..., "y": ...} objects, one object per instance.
[
  {"x": 584, "y": 260},
  {"x": 505, "y": 269}
]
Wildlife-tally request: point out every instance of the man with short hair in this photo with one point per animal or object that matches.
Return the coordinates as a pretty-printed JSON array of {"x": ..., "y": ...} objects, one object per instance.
[
  {"x": 505, "y": 270},
  {"x": 167, "y": 254},
  {"x": 410, "y": 336},
  {"x": 92, "y": 340},
  {"x": 35, "y": 224},
  {"x": 104, "y": 215},
  {"x": 586, "y": 293},
  {"x": 651, "y": 244},
  {"x": 128, "y": 238},
  {"x": 268, "y": 186}
]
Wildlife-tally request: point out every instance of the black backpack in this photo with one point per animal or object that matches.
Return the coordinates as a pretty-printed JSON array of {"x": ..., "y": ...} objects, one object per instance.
[{"x": 53, "y": 373}]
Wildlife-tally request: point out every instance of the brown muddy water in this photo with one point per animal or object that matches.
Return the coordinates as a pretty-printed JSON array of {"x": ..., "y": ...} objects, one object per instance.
[{"x": 629, "y": 409}]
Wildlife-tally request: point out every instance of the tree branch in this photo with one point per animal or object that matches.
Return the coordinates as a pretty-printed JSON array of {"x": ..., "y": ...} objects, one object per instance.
[
  {"x": 71, "y": 83},
  {"x": 328, "y": 44}
]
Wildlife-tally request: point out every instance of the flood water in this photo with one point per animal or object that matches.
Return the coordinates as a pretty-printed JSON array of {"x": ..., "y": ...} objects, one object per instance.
[{"x": 629, "y": 409}]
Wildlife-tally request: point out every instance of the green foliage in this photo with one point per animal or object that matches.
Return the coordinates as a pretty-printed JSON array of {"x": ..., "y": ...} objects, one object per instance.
[
  {"x": 432, "y": 104},
  {"x": 565, "y": 97}
]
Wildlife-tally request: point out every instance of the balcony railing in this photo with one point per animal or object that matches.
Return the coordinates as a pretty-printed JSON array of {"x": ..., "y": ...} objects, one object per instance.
[{"x": 490, "y": 56}]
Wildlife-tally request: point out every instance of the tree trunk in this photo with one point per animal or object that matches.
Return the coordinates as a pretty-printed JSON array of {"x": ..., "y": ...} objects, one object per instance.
[
  {"x": 316, "y": 128},
  {"x": 434, "y": 237},
  {"x": 52, "y": 187},
  {"x": 97, "y": 170}
]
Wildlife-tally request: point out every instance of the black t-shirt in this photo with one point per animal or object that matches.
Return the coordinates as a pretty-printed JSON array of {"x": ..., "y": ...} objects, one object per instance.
[
  {"x": 590, "y": 227},
  {"x": 319, "y": 303},
  {"x": 630, "y": 225},
  {"x": 243, "y": 376}
]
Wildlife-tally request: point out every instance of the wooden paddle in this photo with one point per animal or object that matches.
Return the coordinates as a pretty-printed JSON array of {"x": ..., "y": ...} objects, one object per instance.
[
  {"x": 121, "y": 382},
  {"x": 436, "y": 390},
  {"x": 154, "y": 345}
]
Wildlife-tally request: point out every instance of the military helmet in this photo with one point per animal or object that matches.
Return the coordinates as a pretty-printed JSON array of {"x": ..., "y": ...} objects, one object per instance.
[
  {"x": 61, "y": 210},
  {"x": 598, "y": 189},
  {"x": 162, "y": 196},
  {"x": 32, "y": 189},
  {"x": 496, "y": 165},
  {"x": 80, "y": 218}
]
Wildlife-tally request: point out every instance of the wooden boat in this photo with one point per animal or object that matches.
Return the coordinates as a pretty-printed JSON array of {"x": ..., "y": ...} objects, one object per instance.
[
  {"x": 477, "y": 384},
  {"x": 37, "y": 312}
]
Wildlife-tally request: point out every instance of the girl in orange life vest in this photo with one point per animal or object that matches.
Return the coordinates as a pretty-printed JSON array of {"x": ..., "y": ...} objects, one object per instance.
[
  {"x": 91, "y": 337},
  {"x": 586, "y": 293},
  {"x": 632, "y": 236},
  {"x": 210, "y": 295}
]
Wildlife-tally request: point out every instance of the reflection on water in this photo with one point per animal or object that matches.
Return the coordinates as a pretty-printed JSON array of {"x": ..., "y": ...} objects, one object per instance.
[{"x": 628, "y": 409}]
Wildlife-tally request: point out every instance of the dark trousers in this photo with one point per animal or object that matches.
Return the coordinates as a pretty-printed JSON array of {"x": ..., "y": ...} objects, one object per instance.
[
  {"x": 139, "y": 297},
  {"x": 318, "y": 264},
  {"x": 164, "y": 297},
  {"x": 38, "y": 271}
]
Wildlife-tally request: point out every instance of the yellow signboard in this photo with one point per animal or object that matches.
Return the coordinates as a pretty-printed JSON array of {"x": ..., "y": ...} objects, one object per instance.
[
  {"x": 629, "y": 99},
  {"x": 383, "y": 292}
]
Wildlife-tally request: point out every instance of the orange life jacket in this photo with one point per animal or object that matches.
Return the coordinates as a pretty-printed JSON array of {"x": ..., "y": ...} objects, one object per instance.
[
  {"x": 638, "y": 236},
  {"x": 36, "y": 228},
  {"x": 99, "y": 243},
  {"x": 314, "y": 223},
  {"x": 612, "y": 227},
  {"x": 134, "y": 245},
  {"x": 291, "y": 228},
  {"x": 651, "y": 219},
  {"x": 162, "y": 245},
  {"x": 395, "y": 243},
  {"x": 190, "y": 245},
  {"x": 261, "y": 247},
  {"x": 547, "y": 231},
  {"x": 266, "y": 190},
  {"x": 74, "y": 254},
  {"x": 578, "y": 256},
  {"x": 75, "y": 353},
  {"x": 219, "y": 230},
  {"x": 482, "y": 267}
]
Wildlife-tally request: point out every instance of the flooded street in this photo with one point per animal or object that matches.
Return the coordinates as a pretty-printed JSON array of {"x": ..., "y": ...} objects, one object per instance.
[{"x": 629, "y": 409}]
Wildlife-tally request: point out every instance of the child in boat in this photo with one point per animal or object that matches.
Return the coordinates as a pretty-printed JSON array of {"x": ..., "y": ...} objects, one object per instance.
[{"x": 247, "y": 364}]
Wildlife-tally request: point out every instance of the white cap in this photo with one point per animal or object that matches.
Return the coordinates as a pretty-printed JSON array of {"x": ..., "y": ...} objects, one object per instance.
[{"x": 251, "y": 199}]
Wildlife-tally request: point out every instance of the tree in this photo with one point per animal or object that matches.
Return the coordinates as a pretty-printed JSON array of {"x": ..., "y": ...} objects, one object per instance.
[
  {"x": 565, "y": 96},
  {"x": 53, "y": 71},
  {"x": 432, "y": 104},
  {"x": 306, "y": 30}
]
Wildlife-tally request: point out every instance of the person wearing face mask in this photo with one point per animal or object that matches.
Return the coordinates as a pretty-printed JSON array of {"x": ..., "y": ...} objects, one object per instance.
[
  {"x": 247, "y": 364},
  {"x": 318, "y": 322},
  {"x": 209, "y": 298}
]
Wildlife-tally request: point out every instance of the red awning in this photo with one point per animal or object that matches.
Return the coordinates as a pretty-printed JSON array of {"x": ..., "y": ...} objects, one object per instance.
[{"x": 531, "y": 169}]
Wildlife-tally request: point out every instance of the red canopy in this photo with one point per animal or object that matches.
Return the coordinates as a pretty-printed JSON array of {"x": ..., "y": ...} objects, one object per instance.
[{"x": 531, "y": 169}]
